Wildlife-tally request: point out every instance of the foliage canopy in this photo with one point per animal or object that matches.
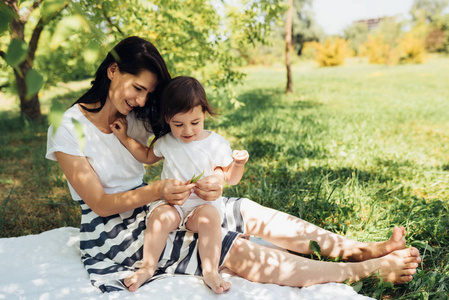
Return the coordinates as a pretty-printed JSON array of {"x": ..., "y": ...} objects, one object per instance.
[{"x": 196, "y": 37}]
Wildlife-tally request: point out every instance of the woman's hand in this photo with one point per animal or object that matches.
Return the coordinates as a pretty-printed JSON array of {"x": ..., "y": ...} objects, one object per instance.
[
  {"x": 175, "y": 191},
  {"x": 209, "y": 188}
]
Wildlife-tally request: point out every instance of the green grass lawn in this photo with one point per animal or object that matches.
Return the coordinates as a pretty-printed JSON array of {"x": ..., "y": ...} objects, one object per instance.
[{"x": 356, "y": 149}]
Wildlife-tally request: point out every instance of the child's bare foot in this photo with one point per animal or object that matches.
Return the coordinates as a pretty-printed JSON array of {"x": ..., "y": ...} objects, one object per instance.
[
  {"x": 216, "y": 283},
  {"x": 399, "y": 266},
  {"x": 379, "y": 249},
  {"x": 134, "y": 281}
]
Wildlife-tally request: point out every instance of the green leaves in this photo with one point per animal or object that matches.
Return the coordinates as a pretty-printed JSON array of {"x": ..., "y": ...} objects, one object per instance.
[
  {"x": 55, "y": 116},
  {"x": 16, "y": 53},
  {"x": 79, "y": 133},
  {"x": 423, "y": 245},
  {"x": 65, "y": 28},
  {"x": 6, "y": 16},
  {"x": 315, "y": 248},
  {"x": 51, "y": 7},
  {"x": 92, "y": 52},
  {"x": 196, "y": 178},
  {"x": 34, "y": 81},
  {"x": 357, "y": 286}
]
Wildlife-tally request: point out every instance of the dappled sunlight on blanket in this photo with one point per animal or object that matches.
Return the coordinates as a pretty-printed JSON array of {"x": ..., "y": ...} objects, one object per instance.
[{"x": 48, "y": 266}]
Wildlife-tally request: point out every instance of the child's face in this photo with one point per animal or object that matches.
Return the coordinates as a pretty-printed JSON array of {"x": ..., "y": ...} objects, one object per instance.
[{"x": 189, "y": 126}]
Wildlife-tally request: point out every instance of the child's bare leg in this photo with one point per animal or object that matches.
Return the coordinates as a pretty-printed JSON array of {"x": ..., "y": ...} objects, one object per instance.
[
  {"x": 162, "y": 220},
  {"x": 206, "y": 221},
  {"x": 295, "y": 234},
  {"x": 261, "y": 264}
]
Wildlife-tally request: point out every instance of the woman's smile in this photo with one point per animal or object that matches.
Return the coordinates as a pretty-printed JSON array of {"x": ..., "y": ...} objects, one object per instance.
[{"x": 130, "y": 105}]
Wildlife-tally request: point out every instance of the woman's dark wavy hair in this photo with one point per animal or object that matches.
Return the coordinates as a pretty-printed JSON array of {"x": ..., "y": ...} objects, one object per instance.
[
  {"x": 180, "y": 95},
  {"x": 132, "y": 55}
]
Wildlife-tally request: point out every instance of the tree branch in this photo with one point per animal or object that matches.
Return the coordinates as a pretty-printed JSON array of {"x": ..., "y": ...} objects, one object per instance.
[
  {"x": 32, "y": 45},
  {"x": 35, "y": 5},
  {"x": 2, "y": 54},
  {"x": 110, "y": 21}
]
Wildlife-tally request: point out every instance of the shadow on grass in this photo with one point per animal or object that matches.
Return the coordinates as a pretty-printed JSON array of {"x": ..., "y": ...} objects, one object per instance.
[
  {"x": 318, "y": 194},
  {"x": 273, "y": 125},
  {"x": 264, "y": 100}
]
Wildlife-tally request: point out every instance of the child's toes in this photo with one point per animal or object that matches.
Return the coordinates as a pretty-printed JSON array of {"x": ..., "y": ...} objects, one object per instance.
[{"x": 226, "y": 286}]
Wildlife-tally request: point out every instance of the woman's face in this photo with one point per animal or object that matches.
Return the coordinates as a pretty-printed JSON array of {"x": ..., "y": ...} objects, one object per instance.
[{"x": 129, "y": 91}]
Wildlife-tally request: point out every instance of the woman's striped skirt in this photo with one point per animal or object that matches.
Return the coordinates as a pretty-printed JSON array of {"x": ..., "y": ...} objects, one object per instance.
[{"x": 112, "y": 247}]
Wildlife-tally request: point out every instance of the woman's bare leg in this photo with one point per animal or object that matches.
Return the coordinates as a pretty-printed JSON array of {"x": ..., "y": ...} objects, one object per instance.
[
  {"x": 206, "y": 221},
  {"x": 261, "y": 264},
  {"x": 294, "y": 234},
  {"x": 162, "y": 220}
]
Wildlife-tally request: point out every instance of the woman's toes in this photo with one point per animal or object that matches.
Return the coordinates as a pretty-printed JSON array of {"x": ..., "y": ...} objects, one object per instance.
[
  {"x": 406, "y": 278},
  {"x": 409, "y": 271},
  {"x": 398, "y": 234},
  {"x": 414, "y": 252}
]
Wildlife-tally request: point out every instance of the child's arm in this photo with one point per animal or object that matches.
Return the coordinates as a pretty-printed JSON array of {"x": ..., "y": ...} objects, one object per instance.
[
  {"x": 234, "y": 172},
  {"x": 140, "y": 152}
]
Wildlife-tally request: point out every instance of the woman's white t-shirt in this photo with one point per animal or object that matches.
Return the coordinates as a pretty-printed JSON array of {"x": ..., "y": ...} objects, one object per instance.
[{"x": 116, "y": 168}]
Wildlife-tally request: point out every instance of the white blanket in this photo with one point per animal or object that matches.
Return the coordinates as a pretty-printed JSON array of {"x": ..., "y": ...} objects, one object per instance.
[{"x": 48, "y": 266}]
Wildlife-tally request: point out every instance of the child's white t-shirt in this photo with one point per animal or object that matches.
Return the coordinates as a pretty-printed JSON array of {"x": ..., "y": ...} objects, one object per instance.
[
  {"x": 116, "y": 168},
  {"x": 183, "y": 160}
]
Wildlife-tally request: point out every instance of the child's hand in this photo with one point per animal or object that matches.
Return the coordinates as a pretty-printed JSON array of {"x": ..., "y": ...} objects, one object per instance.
[
  {"x": 120, "y": 128},
  {"x": 209, "y": 188},
  {"x": 240, "y": 157}
]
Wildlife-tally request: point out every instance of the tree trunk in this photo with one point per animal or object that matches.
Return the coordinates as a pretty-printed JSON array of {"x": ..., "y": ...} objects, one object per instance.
[
  {"x": 288, "y": 46},
  {"x": 29, "y": 107}
]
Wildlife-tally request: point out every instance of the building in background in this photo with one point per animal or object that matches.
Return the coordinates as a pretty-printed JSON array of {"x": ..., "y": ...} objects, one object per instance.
[{"x": 371, "y": 23}]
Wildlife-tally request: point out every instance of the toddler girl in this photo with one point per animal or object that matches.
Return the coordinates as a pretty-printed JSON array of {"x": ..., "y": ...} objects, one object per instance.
[{"x": 188, "y": 151}]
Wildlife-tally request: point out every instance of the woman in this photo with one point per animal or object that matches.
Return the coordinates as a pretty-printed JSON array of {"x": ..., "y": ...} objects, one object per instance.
[{"x": 106, "y": 180}]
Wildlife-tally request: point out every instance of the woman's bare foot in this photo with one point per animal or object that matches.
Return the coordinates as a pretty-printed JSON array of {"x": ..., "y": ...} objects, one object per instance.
[
  {"x": 216, "y": 283},
  {"x": 379, "y": 249},
  {"x": 135, "y": 281},
  {"x": 399, "y": 266},
  {"x": 396, "y": 242}
]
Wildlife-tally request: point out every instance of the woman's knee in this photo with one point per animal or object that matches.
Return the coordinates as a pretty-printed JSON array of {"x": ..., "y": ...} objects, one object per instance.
[
  {"x": 256, "y": 216},
  {"x": 250, "y": 208}
]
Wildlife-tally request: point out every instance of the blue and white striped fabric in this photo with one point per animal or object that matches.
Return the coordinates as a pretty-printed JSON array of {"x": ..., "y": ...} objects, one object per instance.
[{"x": 111, "y": 247}]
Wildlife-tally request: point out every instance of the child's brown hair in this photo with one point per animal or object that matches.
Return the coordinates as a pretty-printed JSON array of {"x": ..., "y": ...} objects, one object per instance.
[{"x": 180, "y": 95}]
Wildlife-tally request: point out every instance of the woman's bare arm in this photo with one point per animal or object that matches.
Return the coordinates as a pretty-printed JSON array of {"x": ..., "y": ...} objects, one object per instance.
[{"x": 87, "y": 185}]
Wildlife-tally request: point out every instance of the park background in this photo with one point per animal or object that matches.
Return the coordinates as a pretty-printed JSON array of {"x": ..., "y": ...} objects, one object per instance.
[{"x": 347, "y": 126}]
